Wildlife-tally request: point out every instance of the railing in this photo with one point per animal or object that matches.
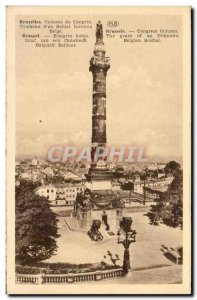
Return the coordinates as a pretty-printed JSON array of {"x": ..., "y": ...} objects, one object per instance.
[
  {"x": 100, "y": 60},
  {"x": 68, "y": 278},
  {"x": 26, "y": 278}
]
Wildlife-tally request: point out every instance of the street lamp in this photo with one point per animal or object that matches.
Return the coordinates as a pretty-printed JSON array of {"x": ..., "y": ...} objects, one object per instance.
[{"x": 128, "y": 236}]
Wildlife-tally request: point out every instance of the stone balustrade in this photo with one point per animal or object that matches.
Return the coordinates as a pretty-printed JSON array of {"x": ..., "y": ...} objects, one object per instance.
[
  {"x": 26, "y": 278},
  {"x": 68, "y": 278}
]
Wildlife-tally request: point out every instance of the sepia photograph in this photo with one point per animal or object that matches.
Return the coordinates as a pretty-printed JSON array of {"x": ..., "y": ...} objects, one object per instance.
[{"x": 99, "y": 150}]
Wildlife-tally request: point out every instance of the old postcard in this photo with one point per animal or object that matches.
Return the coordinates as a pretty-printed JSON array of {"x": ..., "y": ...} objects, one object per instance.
[{"x": 98, "y": 150}]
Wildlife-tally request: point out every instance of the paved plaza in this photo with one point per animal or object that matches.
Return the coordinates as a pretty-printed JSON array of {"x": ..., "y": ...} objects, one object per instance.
[{"x": 76, "y": 247}]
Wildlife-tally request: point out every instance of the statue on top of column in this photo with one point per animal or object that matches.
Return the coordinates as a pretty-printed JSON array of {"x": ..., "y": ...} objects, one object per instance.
[{"x": 99, "y": 31}]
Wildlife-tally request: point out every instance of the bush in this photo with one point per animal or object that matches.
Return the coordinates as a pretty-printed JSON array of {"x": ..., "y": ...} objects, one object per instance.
[{"x": 62, "y": 268}]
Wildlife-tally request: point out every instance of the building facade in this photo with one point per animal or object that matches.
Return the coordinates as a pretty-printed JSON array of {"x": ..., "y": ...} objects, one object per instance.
[
  {"x": 61, "y": 195},
  {"x": 157, "y": 184}
]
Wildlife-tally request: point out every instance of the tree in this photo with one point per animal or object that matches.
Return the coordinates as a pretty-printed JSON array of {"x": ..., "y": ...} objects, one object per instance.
[
  {"x": 36, "y": 225},
  {"x": 172, "y": 167},
  {"x": 169, "y": 208}
]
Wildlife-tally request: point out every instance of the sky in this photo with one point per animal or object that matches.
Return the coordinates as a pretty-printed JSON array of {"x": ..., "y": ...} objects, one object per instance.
[{"x": 144, "y": 90}]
